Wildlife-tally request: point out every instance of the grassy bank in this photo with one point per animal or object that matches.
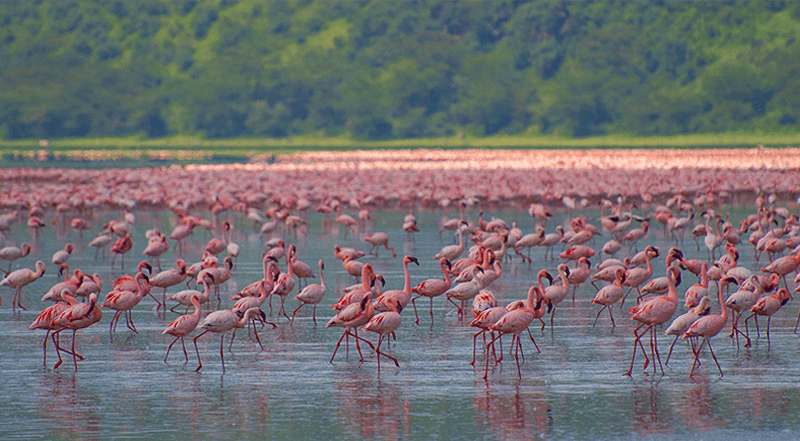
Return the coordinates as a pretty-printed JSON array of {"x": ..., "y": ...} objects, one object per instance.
[{"x": 184, "y": 148}]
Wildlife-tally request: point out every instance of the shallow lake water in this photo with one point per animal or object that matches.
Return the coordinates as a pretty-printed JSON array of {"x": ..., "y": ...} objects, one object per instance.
[{"x": 574, "y": 388}]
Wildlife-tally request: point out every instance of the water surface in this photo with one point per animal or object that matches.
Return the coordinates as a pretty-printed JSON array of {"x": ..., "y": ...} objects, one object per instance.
[{"x": 574, "y": 388}]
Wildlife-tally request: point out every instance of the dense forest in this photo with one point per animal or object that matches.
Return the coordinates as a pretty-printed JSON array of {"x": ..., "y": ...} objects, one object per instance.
[{"x": 397, "y": 69}]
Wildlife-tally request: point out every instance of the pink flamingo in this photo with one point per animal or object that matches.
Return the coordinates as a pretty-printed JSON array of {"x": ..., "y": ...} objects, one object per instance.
[
  {"x": 637, "y": 276},
  {"x": 77, "y": 316},
  {"x": 514, "y": 322},
  {"x": 768, "y": 306},
  {"x": 185, "y": 296},
  {"x": 156, "y": 246},
  {"x": 432, "y": 287},
  {"x": 377, "y": 240},
  {"x": 384, "y": 324},
  {"x": 610, "y": 294},
  {"x": 222, "y": 321},
  {"x": 183, "y": 326},
  {"x": 708, "y": 327},
  {"x": 120, "y": 247},
  {"x": 651, "y": 312},
  {"x": 350, "y": 318},
  {"x": 45, "y": 320},
  {"x": 124, "y": 301},
  {"x": 170, "y": 277},
  {"x": 683, "y": 321},
  {"x": 555, "y": 294},
  {"x": 285, "y": 282},
  {"x": 312, "y": 294},
  {"x": 389, "y": 299},
  {"x": 12, "y": 253},
  {"x": 699, "y": 290},
  {"x": 19, "y": 279}
]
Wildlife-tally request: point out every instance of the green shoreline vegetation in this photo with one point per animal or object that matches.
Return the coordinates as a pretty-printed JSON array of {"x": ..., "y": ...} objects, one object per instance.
[{"x": 194, "y": 148}]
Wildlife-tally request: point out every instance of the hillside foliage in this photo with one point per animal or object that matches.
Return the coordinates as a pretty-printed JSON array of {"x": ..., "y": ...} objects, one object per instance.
[{"x": 397, "y": 69}]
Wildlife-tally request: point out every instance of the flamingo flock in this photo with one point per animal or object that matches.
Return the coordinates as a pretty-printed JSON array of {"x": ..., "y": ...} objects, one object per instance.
[{"x": 474, "y": 257}]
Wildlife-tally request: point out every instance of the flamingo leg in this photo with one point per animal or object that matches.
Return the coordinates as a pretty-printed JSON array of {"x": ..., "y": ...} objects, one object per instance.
[
  {"x": 714, "y": 357},
  {"x": 339, "y": 343},
  {"x": 294, "y": 313},
  {"x": 170, "y": 347},
  {"x": 379, "y": 353},
  {"x": 486, "y": 372},
  {"x": 199, "y": 363},
  {"x": 534, "y": 341},
  {"x": 44, "y": 347},
  {"x": 74, "y": 357},
  {"x": 769, "y": 319},
  {"x": 221, "y": 354},
  {"x": 416, "y": 316},
  {"x": 670, "y": 349},
  {"x": 475, "y": 344},
  {"x": 598, "y": 314},
  {"x": 58, "y": 352}
]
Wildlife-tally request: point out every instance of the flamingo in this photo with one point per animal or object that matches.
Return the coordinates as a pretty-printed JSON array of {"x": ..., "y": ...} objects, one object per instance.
[
  {"x": 222, "y": 321},
  {"x": 232, "y": 248},
  {"x": 345, "y": 220},
  {"x": 123, "y": 301},
  {"x": 610, "y": 294},
  {"x": 185, "y": 297},
  {"x": 514, "y": 322},
  {"x": 301, "y": 269},
  {"x": 698, "y": 290},
  {"x": 484, "y": 321},
  {"x": 768, "y": 306},
  {"x": 90, "y": 284},
  {"x": 395, "y": 297},
  {"x": 100, "y": 243},
  {"x": 452, "y": 252},
  {"x": 350, "y": 318},
  {"x": 19, "y": 279},
  {"x": 579, "y": 274},
  {"x": 120, "y": 247},
  {"x": 183, "y": 326},
  {"x": 77, "y": 316},
  {"x": 156, "y": 246},
  {"x": 707, "y": 327},
  {"x": 70, "y": 283},
  {"x": 60, "y": 257},
  {"x": 740, "y": 301},
  {"x": 432, "y": 287},
  {"x": 12, "y": 253},
  {"x": 170, "y": 277},
  {"x": 383, "y": 324},
  {"x": 284, "y": 284},
  {"x": 651, "y": 312},
  {"x": 682, "y": 322},
  {"x": 483, "y": 301},
  {"x": 45, "y": 320},
  {"x": 637, "y": 276},
  {"x": 378, "y": 239},
  {"x": 312, "y": 294},
  {"x": 360, "y": 291},
  {"x": 353, "y": 267},
  {"x": 555, "y": 294}
]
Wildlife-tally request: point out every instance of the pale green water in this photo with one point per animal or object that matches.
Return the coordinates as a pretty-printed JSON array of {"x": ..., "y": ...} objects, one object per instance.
[{"x": 573, "y": 389}]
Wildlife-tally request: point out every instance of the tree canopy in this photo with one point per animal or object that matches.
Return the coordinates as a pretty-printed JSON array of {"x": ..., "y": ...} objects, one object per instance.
[{"x": 382, "y": 70}]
